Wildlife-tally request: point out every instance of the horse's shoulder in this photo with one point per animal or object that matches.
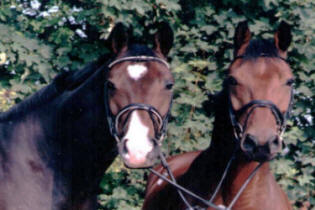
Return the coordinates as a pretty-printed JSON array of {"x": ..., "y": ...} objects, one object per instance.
[{"x": 179, "y": 164}]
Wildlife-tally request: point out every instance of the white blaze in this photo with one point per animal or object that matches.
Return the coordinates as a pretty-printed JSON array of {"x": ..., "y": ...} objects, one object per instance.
[
  {"x": 137, "y": 71},
  {"x": 138, "y": 143}
]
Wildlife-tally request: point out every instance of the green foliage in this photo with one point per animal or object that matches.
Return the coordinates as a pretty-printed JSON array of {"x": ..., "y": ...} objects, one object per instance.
[
  {"x": 122, "y": 188},
  {"x": 40, "y": 42}
]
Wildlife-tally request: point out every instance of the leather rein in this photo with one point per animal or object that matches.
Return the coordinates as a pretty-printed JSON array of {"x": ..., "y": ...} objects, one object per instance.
[{"x": 238, "y": 130}]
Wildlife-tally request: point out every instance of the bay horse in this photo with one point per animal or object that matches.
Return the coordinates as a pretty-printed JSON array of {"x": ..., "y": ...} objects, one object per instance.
[
  {"x": 250, "y": 116},
  {"x": 56, "y": 144}
]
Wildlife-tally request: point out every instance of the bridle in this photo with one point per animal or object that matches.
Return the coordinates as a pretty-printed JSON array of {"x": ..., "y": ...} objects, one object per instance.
[
  {"x": 159, "y": 122},
  {"x": 238, "y": 131}
]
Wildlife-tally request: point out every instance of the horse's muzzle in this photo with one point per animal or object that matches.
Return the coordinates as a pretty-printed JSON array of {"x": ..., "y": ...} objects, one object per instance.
[
  {"x": 258, "y": 152},
  {"x": 138, "y": 159}
]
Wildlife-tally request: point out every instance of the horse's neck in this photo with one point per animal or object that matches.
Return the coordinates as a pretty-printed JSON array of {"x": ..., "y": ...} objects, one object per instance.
[
  {"x": 83, "y": 147},
  {"x": 61, "y": 147},
  {"x": 259, "y": 188},
  {"x": 262, "y": 192},
  {"x": 82, "y": 126},
  {"x": 210, "y": 164},
  {"x": 222, "y": 142}
]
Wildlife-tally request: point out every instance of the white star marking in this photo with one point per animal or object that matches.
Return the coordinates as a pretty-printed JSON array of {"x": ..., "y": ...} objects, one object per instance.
[{"x": 136, "y": 71}]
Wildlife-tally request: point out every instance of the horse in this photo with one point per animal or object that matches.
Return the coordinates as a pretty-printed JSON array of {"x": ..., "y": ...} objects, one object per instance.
[
  {"x": 250, "y": 116},
  {"x": 56, "y": 144}
]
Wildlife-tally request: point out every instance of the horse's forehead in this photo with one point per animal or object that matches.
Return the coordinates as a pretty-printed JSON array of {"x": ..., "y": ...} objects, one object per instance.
[
  {"x": 136, "y": 71},
  {"x": 270, "y": 70}
]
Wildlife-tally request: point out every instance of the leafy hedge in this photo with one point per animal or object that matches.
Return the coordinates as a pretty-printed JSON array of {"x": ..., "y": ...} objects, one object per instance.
[{"x": 38, "y": 39}]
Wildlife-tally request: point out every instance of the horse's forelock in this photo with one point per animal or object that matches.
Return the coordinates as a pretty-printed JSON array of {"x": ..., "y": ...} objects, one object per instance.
[{"x": 261, "y": 47}]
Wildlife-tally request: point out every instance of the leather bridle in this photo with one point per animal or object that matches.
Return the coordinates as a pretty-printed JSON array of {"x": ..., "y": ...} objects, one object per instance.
[
  {"x": 238, "y": 130},
  {"x": 159, "y": 122}
]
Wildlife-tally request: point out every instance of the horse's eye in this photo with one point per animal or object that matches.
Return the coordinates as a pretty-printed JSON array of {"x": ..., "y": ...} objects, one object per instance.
[
  {"x": 290, "y": 82},
  {"x": 169, "y": 86},
  {"x": 110, "y": 86},
  {"x": 230, "y": 81}
]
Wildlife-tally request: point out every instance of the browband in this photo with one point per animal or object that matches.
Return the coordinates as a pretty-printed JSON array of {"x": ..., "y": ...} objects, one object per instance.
[{"x": 138, "y": 59}]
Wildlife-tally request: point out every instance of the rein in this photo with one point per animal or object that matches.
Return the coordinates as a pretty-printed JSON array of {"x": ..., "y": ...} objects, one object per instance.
[
  {"x": 238, "y": 130},
  {"x": 209, "y": 202},
  {"x": 160, "y": 123}
]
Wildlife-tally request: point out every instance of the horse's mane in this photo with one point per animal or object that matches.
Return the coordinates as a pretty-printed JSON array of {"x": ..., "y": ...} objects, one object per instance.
[
  {"x": 67, "y": 81},
  {"x": 62, "y": 82},
  {"x": 261, "y": 47}
]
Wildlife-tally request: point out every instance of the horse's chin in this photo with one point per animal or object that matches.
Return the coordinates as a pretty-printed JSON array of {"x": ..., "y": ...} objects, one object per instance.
[
  {"x": 259, "y": 157},
  {"x": 137, "y": 166}
]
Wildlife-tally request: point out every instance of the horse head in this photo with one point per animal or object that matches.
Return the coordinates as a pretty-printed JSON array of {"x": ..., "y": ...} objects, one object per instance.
[
  {"x": 138, "y": 95},
  {"x": 259, "y": 85}
]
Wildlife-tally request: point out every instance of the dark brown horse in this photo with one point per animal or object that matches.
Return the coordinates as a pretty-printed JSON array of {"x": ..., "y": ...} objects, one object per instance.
[
  {"x": 56, "y": 145},
  {"x": 250, "y": 115}
]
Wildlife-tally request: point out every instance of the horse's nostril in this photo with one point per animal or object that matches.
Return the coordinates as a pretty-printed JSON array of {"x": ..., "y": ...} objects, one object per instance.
[
  {"x": 250, "y": 143},
  {"x": 125, "y": 149},
  {"x": 274, "y": 143}
]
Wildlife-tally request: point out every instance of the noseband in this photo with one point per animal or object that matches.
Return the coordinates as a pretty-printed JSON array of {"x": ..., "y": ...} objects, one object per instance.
[
  {"x": 159, "y": 123},
  {"x": 281, "y": 118},
  {"x": 238, "y": 130}
]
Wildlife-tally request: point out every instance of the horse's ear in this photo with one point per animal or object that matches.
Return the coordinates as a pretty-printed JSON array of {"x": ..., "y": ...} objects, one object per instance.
[
  {"x": 242, "y": 37},
  {"x": 283, "y": 38},
  {"x": 163, "y": 38},
  {"x": 118, "y": 38}
]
